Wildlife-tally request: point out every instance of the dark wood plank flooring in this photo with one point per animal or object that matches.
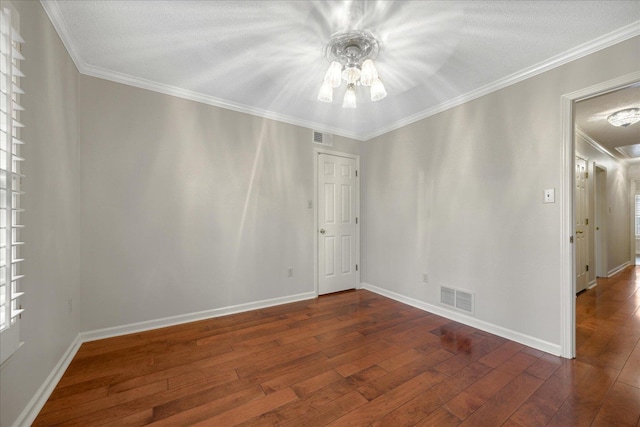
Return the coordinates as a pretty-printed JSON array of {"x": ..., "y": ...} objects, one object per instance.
[{"x": 357, "y": 358}]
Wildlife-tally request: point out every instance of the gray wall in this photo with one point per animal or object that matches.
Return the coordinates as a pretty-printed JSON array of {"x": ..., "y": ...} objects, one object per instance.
[
  {"x": 459, "y": 196},
  {"x": 52, "y": 217},
  {"x": 618, "y": 231},
  {"x": 188, "y": 207}
]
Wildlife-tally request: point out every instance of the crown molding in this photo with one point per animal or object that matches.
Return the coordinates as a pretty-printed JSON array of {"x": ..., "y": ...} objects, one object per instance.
[
  {"x": 603, "y": 42},
  {"x": 607, "y": 40},
  {"x": 57, "y": 19},
  {"x": 595, "y": 144},
  {"x": 129, "y": 80},
  {"x": 599, "y": 147}
]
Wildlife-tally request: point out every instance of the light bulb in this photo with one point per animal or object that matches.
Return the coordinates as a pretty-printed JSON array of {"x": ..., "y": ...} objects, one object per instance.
[
  {"x": 349, "y": 97},
  {"x": 369, "y": 73},
  {"x": 377, "y": 90},
  {"x": 334, "y": 74},
  {"x": 326, "y": 93}
]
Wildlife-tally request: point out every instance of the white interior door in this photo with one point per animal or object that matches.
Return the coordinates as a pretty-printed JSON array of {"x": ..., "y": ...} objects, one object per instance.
[
  {"x": 337, "y": 223},
  {"x": 581, "y": 225}
]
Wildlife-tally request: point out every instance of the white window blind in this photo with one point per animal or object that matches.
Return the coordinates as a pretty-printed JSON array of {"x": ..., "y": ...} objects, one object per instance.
[{"x": 10, "y": 183}]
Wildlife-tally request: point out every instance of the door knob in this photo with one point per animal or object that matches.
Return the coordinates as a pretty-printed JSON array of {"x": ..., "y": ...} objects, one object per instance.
[
  {"x": 578, "y": 232},
  {"x": 322, "y": 231}
]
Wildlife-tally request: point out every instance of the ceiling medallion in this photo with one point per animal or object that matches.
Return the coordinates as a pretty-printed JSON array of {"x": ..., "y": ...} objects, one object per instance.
[{"x": 351, "y": 54}]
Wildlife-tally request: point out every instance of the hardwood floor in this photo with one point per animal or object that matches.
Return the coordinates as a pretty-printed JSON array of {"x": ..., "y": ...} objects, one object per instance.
[{"x": 357, "y": 358}]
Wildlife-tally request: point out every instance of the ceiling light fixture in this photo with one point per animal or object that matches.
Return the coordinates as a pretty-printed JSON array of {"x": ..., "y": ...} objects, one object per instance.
[
  {"x": 624, "y": 118},
  {"x": 351, "y": 54}
]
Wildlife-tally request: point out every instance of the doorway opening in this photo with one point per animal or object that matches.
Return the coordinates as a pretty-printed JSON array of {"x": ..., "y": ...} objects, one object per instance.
[{"x": 568, "y": 207}]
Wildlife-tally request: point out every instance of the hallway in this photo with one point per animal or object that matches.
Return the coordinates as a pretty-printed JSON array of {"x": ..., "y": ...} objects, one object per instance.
[{"x": 608, "y": 347}]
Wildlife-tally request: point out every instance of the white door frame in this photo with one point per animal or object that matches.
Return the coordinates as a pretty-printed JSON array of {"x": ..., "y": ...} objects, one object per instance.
[
  {"x": 568, "y": 278},
  {"x": 316, "y": 152}
]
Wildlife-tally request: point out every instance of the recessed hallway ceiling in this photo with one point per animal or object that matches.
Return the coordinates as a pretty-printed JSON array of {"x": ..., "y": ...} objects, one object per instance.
[
  {"x": 591, "y": 119},
  {"x": 266, "y": 57}
]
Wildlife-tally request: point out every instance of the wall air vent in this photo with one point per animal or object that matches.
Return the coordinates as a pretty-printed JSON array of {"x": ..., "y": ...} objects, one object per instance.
[
  {"x": 461, "y": 300},
  {"x": 448, "y": 296},
  {"x": 321, "y": 138}
]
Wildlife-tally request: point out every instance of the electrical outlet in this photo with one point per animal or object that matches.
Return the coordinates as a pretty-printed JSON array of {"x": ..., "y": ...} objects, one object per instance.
[
  {"x": 290, "y": 272},
  {"x": 425, "y": 277}
]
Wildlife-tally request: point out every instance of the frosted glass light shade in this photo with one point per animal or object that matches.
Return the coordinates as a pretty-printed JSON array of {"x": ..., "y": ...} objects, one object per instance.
[
  {"x": 349, "y": 98},
  {"x": 624, "y": 118},
  {"x": 326, "y": 93},
  {"x": 369, "y": 73},
  {"x": 333, "y": 77},
  {"x": 377, "y": 90},
  {"x": 351, "y": 74}
]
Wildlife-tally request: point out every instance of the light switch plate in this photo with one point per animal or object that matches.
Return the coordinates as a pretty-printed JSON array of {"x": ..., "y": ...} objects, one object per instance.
[{"x": 550, "y": 195}]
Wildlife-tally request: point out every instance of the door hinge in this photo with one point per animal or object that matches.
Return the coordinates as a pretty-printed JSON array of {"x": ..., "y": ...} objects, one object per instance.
[
  {"x": 586, "y": 174},
  {"x": 586, "y": 221},
  {"x": 356, "y": 220},
  {"x": 570, "y": 239},
  {"x": 587, "y": 268},
  {"x": 356, "y": 267},
  {"x": 356, "y": 174}
]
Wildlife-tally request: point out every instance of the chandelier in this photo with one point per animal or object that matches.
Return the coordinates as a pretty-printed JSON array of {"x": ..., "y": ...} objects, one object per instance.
[
  {"x": 351, "y": 55},
  {"x": 624, "y": 118}
]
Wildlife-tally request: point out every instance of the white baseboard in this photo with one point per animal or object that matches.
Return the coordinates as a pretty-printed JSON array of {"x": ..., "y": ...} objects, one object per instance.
[
  {"x": 618, "y": 269},
  {"x": 31, "y": 411},
  {"x": 131, "y": 328},
  {"x": 33, "y": 408},
  {"x": 527, "y": 340},
  {"x": 592, "y": 284}
]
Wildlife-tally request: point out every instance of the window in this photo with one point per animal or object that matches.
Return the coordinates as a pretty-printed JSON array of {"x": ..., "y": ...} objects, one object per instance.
[
  {"x": 637, "y": 214},
  {"x": 10, "y": 183}
]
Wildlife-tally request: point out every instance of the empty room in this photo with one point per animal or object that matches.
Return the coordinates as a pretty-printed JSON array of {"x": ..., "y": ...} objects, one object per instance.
[{"x": 320, "y": 213}]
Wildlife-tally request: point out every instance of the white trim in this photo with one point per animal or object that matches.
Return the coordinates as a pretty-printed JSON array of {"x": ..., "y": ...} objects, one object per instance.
[
  {"x": 190, "y": 95},
  {"x": 618, "y": 269},
  {"x": 567, "y": 278},
  {"x": 595, "y": 144},
  {"x": 592, "y": 284},
  {"x": 317, "y": 151},
  {"x": 35, "y": 405},
  {"x": 37, "y": 402},
  {"x": 468, "y": 320},
  {"x": 148, "y": 325},
  {"x": 599, "y": 43},
  {"x": 568, "y": 263},
  {"x": 578, "y": 52},
  {"x": 52, "y": 10}
]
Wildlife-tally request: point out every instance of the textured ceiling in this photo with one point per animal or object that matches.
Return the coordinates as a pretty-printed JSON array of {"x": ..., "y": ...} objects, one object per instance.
[
  {"x": 591, "y": 118},
  {"x": 266, "y": 57}
]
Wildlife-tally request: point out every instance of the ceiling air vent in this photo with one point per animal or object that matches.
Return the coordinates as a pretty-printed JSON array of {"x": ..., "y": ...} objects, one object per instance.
[
  {"x": 461, "y": 300},
  {"x": 322, "y": 138}
]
